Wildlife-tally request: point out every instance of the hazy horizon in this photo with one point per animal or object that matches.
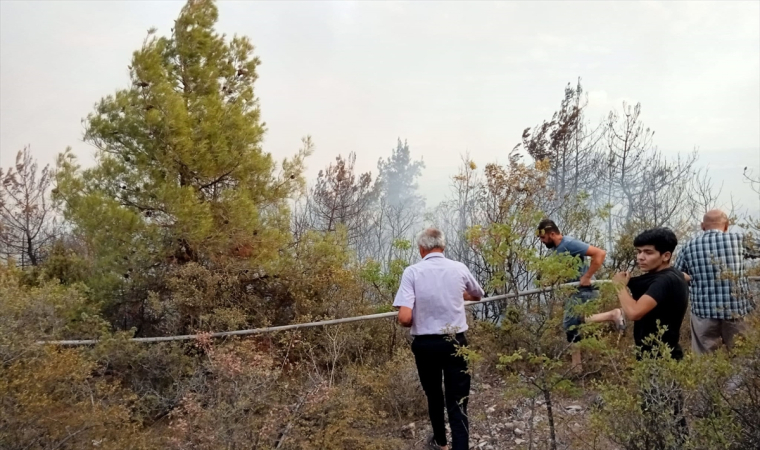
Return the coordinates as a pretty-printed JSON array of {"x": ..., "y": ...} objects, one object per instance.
[{"x": 447, "y": 77}]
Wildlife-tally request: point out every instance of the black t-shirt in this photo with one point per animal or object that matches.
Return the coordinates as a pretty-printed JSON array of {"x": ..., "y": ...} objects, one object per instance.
[{"x": 671, "y": 292}]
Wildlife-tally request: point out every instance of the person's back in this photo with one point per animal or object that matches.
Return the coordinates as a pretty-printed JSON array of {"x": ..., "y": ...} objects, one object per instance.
[
  {"x": 438, "y": 284},
  {"x": 431, "y": 300},
  {"x": 714, "y": 263},
  {"x": 575, "y": 248}
]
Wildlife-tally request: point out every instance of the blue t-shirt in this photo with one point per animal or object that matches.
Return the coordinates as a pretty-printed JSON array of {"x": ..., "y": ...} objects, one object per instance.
[{"x": 574, "y": 247}]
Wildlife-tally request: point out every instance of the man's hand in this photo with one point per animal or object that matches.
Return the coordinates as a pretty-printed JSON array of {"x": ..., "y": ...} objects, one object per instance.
[
  {"x": 621, "y": 278},
  {"x": 405, "y": 316},
  {"x": 585, "y": 280}
]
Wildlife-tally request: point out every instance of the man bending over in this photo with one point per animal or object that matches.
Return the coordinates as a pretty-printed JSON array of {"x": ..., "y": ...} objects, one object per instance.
[{"x": 550, "y": 235}]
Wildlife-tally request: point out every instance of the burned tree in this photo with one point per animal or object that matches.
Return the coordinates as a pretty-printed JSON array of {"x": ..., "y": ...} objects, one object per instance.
[
  {"x": 27, "y": 222},
  {"x": 340, "y": 197}
]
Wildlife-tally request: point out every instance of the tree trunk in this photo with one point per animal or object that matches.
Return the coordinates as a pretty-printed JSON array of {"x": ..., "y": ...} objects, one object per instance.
[
  {"x": 550, "y": 418},
  {"x": 30, "y": 250}
]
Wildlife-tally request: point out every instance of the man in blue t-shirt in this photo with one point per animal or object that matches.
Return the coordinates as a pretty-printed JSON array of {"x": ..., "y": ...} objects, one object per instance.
[{"x": 549, "y": 234}]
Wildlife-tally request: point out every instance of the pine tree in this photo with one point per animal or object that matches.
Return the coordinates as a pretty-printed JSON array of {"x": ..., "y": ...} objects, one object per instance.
[{"x": 180, "y": 172}]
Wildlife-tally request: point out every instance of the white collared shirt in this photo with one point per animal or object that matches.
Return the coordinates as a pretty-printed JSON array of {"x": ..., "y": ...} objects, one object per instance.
[{"x": 433, "y": 289}]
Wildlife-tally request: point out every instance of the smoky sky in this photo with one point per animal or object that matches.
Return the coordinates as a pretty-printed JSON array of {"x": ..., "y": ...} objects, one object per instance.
[{"x": 448, "y": 77}]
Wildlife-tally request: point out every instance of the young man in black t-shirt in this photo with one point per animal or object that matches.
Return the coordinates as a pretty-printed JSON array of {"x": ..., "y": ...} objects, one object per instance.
[{"x": 660, "y": 295}]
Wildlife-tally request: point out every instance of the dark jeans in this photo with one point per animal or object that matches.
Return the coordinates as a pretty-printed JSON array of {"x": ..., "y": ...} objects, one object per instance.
[
  {"x": 436, "y": 362},
  {"x": 571, "y": 322}
]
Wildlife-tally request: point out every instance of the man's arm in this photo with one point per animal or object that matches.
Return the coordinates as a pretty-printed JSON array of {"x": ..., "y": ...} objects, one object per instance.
[
  {"x": 472, "y": 290},
  {"x": 634, "y": 310},
  {"x": 681, "y": 265},
  {"x": 597, "y": 259},
  {"x": 405, "y": 298}
]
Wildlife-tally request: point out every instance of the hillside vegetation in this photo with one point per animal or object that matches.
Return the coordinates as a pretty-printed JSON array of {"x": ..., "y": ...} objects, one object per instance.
[{"x": 186, "y": 224}]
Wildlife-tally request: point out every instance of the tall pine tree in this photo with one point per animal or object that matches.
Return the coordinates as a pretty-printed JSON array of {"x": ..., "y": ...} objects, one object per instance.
[{"x": 180, "y": 173}]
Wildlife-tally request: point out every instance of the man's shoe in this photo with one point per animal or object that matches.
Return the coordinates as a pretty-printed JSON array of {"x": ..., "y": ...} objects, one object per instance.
[{"x": 431, "y": 444}]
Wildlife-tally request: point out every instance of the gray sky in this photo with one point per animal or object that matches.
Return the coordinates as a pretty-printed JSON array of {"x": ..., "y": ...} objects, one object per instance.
[{"x": 448, "y": 77}]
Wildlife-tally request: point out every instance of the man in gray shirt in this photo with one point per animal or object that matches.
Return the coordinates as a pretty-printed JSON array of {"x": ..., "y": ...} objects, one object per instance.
[
  {"x": 430, "y": 300},
  {"x": 549, "y": 234}
]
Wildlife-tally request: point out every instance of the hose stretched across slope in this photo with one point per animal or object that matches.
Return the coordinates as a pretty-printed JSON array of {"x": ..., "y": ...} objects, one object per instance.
[{"x": 297, "y": 326}]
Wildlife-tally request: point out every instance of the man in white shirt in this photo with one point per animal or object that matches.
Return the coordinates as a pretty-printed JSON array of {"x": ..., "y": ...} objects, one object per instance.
[{"x": 430, "y": 300}]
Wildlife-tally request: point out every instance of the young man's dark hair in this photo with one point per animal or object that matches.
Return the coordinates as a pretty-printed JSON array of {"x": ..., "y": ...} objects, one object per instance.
[
  {"x": 662, "y": 239},
  {"x": 548, "y": 226}
]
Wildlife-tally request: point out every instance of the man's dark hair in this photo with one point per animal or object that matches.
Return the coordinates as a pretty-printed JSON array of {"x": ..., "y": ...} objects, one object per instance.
[
  {"x": 663, "y": 239},
  {"x": 547, "y": 226}
]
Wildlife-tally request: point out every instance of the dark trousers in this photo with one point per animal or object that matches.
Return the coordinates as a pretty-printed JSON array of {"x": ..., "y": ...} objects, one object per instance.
[{"x": 436, "y": 361}]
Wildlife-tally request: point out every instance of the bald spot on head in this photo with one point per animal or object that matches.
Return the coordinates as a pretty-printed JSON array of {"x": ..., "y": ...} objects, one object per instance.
[{"x": 715, "y": 220}]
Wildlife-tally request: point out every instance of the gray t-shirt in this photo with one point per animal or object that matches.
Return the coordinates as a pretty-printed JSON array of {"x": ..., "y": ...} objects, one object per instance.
[{"x": 574, "y": 247}]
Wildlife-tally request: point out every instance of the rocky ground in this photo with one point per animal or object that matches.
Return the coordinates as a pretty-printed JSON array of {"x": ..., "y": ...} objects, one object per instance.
[{"x": 499, "y": 423}]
